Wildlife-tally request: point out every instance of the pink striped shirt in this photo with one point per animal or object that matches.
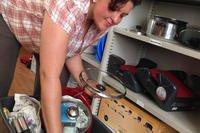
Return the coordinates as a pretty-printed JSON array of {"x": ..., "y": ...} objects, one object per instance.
[{"x": 24, "y": 18}]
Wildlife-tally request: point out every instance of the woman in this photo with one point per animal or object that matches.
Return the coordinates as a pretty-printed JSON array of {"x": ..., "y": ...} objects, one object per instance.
[{"x": 59, "y": 30}]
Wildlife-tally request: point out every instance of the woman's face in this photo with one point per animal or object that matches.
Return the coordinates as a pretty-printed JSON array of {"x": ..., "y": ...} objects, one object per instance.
[{"x": 105, "y": 18}]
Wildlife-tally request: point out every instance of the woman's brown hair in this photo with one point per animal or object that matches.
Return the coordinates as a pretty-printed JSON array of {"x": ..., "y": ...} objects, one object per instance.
[{"x": 116, "y": 4}]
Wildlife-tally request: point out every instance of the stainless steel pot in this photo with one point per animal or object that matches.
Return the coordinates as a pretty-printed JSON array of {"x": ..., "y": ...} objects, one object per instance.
[
  {"x": 190, "y": 37},
  {"x": 163, "y": 27}
]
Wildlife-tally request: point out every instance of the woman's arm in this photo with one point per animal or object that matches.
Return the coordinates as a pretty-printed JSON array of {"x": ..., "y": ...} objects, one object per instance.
[
  {"x": 52, "y": 57},
  {"x": 75, "y": 67}
]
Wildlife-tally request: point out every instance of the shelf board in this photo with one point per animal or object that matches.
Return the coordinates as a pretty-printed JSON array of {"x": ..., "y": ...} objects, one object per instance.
[
  {"x": 184, "y": 122},
  {"x": 176, "y": 47},
  {"x": 90, "y": 58}
]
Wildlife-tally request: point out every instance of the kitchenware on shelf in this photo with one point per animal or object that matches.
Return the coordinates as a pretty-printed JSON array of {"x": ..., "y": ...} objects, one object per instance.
[
  {"x": 139, "y": 30},
  {"x": 190, "y": 37},
  {"x": 100, "y": 89},
  {"x": 164, "y": 27},
  {"x": 126, "y": 73},
  {"x": 180, "y": 75},
  {"x": 194, "y": 84},
  {"x": 168, "y": 92}
]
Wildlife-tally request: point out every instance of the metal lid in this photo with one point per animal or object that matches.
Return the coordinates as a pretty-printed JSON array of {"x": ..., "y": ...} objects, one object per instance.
[
  {"x": 101, "y": 89},
  {"x": 72, "y": 112}
]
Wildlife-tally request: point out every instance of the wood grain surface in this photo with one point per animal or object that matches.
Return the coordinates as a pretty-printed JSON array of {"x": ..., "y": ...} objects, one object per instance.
[{"x": 23, "y": 81}]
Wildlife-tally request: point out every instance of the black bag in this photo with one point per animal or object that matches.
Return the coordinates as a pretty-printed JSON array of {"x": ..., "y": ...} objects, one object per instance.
[{"x": 5, "y": 127}]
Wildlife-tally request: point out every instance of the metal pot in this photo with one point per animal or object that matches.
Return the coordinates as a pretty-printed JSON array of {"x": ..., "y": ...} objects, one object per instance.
[
  {"x": 190, "y": 37},
  {"x": 163, "y": 27}
]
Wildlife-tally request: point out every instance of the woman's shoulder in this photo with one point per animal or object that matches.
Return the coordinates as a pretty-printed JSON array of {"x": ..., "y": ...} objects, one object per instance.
[
  {"x": 70, "y": 5},
  {"x": 67, "y": 13},
  {"x": 83, "y": 5}
]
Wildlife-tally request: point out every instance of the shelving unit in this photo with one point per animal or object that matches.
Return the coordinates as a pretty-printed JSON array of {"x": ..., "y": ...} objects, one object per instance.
[
  {"x": 122, "y": 41},
  {"x": 173, "y": 46},
  {"x": 184, "y": 122}
]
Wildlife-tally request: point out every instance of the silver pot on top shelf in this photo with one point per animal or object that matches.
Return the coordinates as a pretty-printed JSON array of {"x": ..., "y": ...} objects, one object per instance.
[{"x": 165, "y": 28}]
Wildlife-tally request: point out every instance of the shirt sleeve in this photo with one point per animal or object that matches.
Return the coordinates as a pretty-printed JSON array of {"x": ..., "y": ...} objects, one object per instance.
[{"x": 61, "y": 12}]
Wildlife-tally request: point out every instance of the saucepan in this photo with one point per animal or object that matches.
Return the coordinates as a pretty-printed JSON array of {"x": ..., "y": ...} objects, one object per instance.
[
  {"x": 190, "y": 37},
  {"x": 164, "y": 27}
]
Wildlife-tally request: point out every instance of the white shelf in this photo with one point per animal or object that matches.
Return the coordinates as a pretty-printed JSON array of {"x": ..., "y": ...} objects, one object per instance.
[
  {"x": 184, "y": 122},
  {"x": 176, "y": 47},
  {"x": 90, "y": 58}
]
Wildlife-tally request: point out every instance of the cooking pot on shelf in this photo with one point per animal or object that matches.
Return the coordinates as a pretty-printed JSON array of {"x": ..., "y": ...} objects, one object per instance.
[
  {"x": 190, "y": 37},
  {"x": 164, "y": 28}
]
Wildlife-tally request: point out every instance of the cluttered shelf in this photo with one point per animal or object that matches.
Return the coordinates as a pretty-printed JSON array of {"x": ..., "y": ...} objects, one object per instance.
[
  {"x": 173, "y": 46},
  {"x": 182, "y": 121}
]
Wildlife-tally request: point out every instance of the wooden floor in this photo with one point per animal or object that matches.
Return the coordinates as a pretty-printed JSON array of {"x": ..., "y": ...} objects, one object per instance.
[{"x": 23, "y": 81}]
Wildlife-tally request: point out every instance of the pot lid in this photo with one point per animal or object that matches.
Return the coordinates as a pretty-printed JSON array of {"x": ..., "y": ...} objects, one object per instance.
[{"x": 102, "y": 89}]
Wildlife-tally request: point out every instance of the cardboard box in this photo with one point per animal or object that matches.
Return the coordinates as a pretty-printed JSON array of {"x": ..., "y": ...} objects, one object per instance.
[{"x": 124, "y": 116}]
